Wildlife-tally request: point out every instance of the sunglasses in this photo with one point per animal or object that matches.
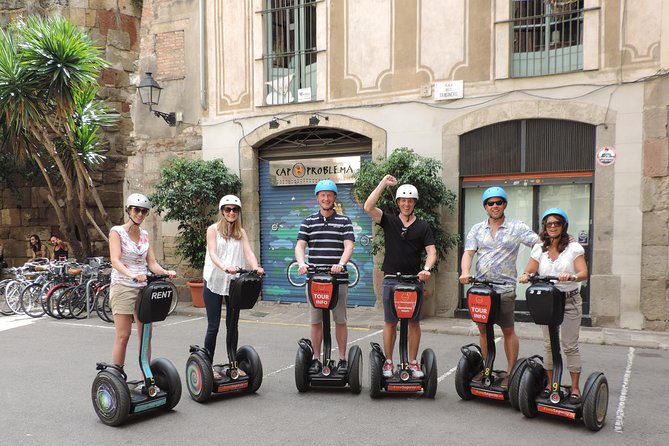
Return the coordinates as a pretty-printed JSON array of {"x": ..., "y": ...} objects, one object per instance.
[
  {"x": 403, "y": 233},
  {"x": 491, "y": 203},
  {"x": 553, "y": 224},
  {"x": 142, "y": 211},
  {"x": 231, "y": 209}
]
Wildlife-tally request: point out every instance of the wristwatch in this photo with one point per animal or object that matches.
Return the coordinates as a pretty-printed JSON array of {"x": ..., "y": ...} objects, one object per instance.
[{"x": 429, "y": 270}]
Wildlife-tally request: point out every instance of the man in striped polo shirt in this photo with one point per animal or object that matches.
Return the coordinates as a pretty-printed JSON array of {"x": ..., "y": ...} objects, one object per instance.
[{"x": 330, "y": 239}]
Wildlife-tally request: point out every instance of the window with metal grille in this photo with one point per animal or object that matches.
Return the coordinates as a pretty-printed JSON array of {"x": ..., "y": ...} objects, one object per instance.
[
  {"x": 547, "y": 37},
  {"x": 289, "y": 51},
  {"x": 528, "y": 146}
]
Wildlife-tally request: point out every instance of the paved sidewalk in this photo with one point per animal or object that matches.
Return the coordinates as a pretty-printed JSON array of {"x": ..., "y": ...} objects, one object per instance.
[{"x": 367, "y": 317}]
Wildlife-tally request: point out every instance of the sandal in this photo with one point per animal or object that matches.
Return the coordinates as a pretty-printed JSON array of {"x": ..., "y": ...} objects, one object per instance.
[
  {"x": 217, "y": 376},
  {"x": 574, "y": 399},
  {"x": 545, "y": 393}
]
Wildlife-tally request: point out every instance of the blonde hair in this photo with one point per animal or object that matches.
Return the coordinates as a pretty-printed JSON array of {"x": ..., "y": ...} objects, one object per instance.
[{"x": 228, "y": 230}]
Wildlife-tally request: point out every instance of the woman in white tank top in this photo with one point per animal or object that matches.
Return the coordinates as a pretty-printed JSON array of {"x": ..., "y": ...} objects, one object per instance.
[
  {"x": 130, "y": 253},
  {"x": 227, "y": 247}
]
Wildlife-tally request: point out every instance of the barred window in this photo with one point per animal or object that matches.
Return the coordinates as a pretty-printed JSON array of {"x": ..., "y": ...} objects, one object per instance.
[
  {"x": 290, "y": 51},
  {"x": 547, "y": 37}
]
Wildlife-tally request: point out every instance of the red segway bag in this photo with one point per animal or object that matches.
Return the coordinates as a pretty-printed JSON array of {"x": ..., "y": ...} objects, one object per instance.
[
  {"x": 484, "y": 304},
  {"x": 323, "y": 291},
  {"x": 245, "y": 290},
  {"x": 407, "y": 299},
  {"x": 546, "y": 303},
  {"x": 154, "y": 301}
]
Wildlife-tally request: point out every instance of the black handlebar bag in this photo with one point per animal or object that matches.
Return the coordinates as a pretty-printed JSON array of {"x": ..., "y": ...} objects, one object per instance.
[
  {"x": 154, "y": 301},
  {"x": 546, "y": 303},
  {"x": 245, "y": 290}
]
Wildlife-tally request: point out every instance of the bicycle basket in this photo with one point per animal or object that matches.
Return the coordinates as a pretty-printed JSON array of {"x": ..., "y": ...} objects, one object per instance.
[{"x": 245, "y": 290}]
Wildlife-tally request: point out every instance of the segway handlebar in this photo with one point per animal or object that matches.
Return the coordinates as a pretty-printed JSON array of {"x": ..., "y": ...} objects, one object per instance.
[
  {"x": 538, "y": 278},
  {"x": 323, "y": 269},
  {"x": 483, "y": 281},
  {"x": 402, "y": 277},
  {"x": 244, "y": 271},
  {"x": 154, "y": 277}
]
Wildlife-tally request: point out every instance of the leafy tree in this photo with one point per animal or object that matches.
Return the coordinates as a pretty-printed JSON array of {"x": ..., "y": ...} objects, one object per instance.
[
  {"x": 424, "y": 173},
  {"x": 48, "y": 71},
  {"x": 189, "y": 192}
]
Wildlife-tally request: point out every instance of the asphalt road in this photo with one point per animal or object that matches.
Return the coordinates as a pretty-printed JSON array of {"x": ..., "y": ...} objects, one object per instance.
[{"x": 47, "y": 368}]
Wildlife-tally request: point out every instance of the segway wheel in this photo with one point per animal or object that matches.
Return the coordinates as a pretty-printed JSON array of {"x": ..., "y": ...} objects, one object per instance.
[
  {"x": 249, "y": 361},
  {"x": 375, "y": 374},
  {"x": 530, "y": 386},
  {"x": 302, "y": 360},
  {"x": 355, "y": 369},
  {"x": 111, "y": 398},
  {"x": 199, "y": 378},
  {"x": 464, "y": 373},
  {"x": 514, "y": 382},
  {"x": 596, "y": 404},
  {"x": 429, "y": 361},
  {"x": 167, "y": 379}
]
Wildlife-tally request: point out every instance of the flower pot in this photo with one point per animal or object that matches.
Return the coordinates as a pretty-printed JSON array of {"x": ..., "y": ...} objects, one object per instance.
[{"x": 196, "y": 289}]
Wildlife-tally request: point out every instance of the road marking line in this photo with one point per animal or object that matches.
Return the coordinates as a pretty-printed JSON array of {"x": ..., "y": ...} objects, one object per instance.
[
  {"x": 447, "y": 374},
  {"x": 276, "y": 372},
  {"x": 620, "y": 413},
  {"x": 181, "y": 322}
]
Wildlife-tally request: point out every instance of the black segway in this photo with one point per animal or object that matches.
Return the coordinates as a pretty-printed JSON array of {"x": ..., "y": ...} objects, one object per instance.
[
  {"x": 244, "y": 293},
  {"x": 484, "y": 307},
  {"x": 323, "y": 289},
  {"x": 406, "y": 301},
  {"x": 546, "y": 304},
  {"x": 114, "y": 397}
]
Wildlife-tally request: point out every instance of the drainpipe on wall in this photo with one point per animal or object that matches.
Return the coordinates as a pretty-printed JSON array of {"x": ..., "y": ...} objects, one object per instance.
[{"x": 203, "y": 77}]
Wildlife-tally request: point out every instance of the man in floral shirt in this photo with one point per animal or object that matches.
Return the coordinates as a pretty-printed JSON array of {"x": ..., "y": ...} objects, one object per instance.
[{"x": 496, "y": 242}]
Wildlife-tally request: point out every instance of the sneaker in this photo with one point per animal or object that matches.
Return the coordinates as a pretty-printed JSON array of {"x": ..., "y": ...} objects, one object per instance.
[
  {"x": 479, "y": 376},
  {"x": 342, "y": 367},
  {"x": 315, "y": 367},
  {"x": 388, "y": 369},
  {"x": 217, "y": 375},
  {"x": 416, "y": 369}
]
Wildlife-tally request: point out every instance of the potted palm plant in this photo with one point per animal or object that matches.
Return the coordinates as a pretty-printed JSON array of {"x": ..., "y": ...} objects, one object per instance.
[{"x": 188, "y": 192}]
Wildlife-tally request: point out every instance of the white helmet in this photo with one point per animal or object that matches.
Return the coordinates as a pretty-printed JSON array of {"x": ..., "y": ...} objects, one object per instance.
[
  {"x": 230, "y": 199},
  {"x": 138, "y": 200},
  {"x": 406, "y": 191}
]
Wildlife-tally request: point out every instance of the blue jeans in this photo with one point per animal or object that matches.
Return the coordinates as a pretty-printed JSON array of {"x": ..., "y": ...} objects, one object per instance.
[{"x": 213, "y": 303}]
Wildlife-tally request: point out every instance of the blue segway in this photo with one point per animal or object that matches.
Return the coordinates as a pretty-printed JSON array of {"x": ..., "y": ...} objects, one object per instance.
[
  {"x": 406, "y": 302},
  {"x": 546, "y": 304},
  {"x": 484, "y": 308},
  {"x": 244, "y": 292},
  {"x": 323, "y": 289},
  {"x": 114, "y": 397}
]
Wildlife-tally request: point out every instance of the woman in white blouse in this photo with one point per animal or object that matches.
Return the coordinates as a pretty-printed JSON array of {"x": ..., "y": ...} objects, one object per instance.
[
  {"x": 558, "y": 254},
  {"x": 227, "y": 247}
]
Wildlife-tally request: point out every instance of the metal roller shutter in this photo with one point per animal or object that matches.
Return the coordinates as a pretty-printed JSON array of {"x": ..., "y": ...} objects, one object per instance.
[{"x": 282, "y": 209}]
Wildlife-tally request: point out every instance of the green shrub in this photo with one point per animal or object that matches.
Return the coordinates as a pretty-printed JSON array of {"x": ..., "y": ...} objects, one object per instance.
[{"x": 188, "y": 192}]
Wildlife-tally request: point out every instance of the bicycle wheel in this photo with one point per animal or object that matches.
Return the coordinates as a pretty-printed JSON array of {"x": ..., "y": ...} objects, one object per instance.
[
  {"x": 175, "y": 301},
  {"x": 102, "y": 295},
  {"x": 50, "y": 302},
  {"x": 13, "y": 296},
  {"x": 106, "y": 309},
  {"x": 77, "y": 302},
  {"x": 4, "y": 308},
  {"x": 31, "y": 300},
  {"x": 62, "y": 304}
]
